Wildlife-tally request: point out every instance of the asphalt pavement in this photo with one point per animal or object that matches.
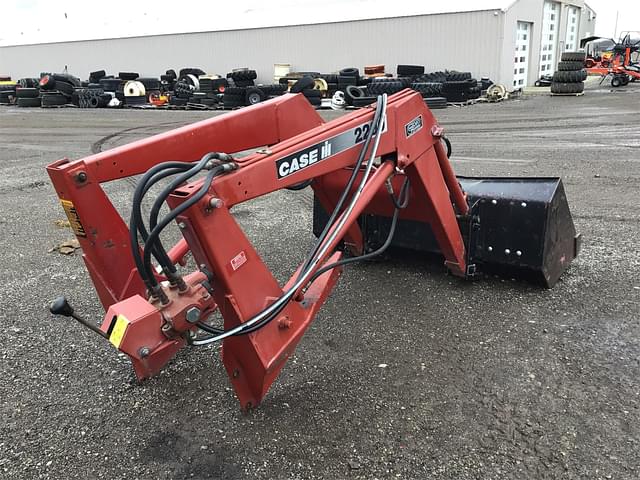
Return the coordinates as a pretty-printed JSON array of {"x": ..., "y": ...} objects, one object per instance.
[{"x": 405, "y": 373}]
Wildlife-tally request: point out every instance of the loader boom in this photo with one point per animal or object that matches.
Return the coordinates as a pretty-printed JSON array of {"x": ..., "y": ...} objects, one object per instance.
[{"x": 295, "y": 146}]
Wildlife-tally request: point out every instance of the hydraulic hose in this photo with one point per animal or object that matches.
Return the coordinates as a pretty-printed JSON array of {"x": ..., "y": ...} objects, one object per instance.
[{"x": 320, "y": 248}]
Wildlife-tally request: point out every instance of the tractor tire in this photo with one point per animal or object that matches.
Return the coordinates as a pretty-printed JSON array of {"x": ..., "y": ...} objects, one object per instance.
[
  {"x": 571, "y": 76},
  {"x": 253, "y": 96},
  {"x": 349, "y": 72},
  {"x": 171, "y": 73},
  {"x": 312, "y": 93},
  {"x": 54, "y": 99},
  {"x": 128, "y": 75},
  {"x": 302, "y": 84},
  {"x": 188, "y": 71},
  {"x": 454, "y": 76},
  {"x": 244, "y": 83},
  {"x": 625, "y": 80},
  {"x": 28, "y": 102},
  {"x": 110, "y": 84},
  {"x": 150, "y": 83},
  {"x": 574, "y": 57},
  {"x": 330, "y": 78},
  {"x": 95, "y": 77},
  {"x": 315, "y": 101},
  {"x": 434, "y": 77},
  {"x": 380, "y": 86},
  {"x": 569, "y": 88},
  {"x": 435, "y": 103},
  {"x": 568, "y": 66},
  {"x": 352, "y": 93},
  {"x": 345, "y": 80},
  {"x": 64, "y": 87},
  {"x": 239, "y": 91},
  {"x": 47, "y": 82},
  {"x": 230, "y": 100},
  {"x": 273, "y": 90},
  {"x": 409, "y": 70},
  {"x": 27, "y": 92},
  {"x": 427, "y": 89},
  {"x": 243, "y": 75}
]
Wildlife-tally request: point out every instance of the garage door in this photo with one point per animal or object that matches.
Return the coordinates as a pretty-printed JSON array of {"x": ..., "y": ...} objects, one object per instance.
[
  {"x": 573, "y": 20},
  {"x": 521, "y": 63},
  {"x": 549, "y": 38}
]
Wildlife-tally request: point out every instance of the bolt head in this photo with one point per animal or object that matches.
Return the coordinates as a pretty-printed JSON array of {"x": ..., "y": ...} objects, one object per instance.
[
  {"x": 144, "y": 352},
  {"x": 494, "y": 202},
  {"x": 215, "y": 202},
  {"x": 81, "y": 177},
  {"x": 507, "y": 251},
  {"x": 181, "y": 226},
  {"x": 193, "y": 315}
]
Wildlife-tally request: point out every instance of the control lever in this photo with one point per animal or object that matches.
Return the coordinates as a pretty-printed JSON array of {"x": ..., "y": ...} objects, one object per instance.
[{"x": 60, "y": 306}]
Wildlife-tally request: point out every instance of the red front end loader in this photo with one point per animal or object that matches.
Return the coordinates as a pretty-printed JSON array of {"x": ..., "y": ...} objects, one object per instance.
[{"x": 381, "y": 177}]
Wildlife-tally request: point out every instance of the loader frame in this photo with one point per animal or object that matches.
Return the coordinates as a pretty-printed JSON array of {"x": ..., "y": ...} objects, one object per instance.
[{"x": 295, "y": 145}]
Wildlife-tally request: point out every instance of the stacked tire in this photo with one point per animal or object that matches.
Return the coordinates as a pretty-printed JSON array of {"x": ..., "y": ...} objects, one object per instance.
[
  {"x": 28, "y": 97},
  {"x": 570, "y": 75}
]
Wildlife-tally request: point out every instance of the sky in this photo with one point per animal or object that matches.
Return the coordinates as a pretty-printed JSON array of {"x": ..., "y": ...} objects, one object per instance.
[{"x": 40, "y": 21}]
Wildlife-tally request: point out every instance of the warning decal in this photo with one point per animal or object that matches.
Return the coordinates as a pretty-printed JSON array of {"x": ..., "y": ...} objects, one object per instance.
[{"x": 74, "y": 218}]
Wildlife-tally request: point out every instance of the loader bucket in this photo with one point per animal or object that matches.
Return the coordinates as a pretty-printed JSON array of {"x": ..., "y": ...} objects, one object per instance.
[
  {"x": 517, "y": 228},
  {"x": 522, "y": 227}
]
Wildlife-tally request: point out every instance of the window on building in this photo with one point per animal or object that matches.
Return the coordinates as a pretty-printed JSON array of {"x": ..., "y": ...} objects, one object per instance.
[
  {"x": 520, "y": 82},
  {"x": 524, "y": 36},
  {"x": 551, "y": 27},
  {"x": 551, "y": 37}
]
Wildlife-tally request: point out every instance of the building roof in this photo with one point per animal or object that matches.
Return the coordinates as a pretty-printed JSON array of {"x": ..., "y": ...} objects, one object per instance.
[{"x": 142, "y": 19}]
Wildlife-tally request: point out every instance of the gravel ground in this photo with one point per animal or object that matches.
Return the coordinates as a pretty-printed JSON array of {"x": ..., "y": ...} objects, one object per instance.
[{"x": 487, "y": 380}]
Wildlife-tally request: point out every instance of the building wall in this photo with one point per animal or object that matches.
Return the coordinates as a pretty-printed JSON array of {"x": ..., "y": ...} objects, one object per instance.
[
  {"x": 466, "y": 41},
  {"x": 532, "y": 11}
]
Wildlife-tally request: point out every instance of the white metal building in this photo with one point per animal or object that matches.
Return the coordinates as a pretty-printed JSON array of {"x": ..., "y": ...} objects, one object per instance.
[{"x": 511, "y": 41}]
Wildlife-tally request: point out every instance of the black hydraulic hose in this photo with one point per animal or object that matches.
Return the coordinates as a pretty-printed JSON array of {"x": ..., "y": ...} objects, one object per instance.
[
  {"x": 179, "y": 180},
  {"x": 134, "y": 224},
  {"x": 300, "y": 186},
  {"x": 400, "y": 203},
  {"x": 155, "y": 232},
  {"x": 209, "y": 329},
  {"x": 268, "y": 314},
  {"x": 376, "y": 125},
  {"x": 375, "y": 130},
  {"x": 138, "y": 224}
]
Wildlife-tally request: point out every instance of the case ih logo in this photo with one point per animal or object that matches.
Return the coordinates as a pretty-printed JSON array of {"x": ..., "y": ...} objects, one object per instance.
[
  {"x": 413, "y": 126},
  {"x": 320, "y": 151}
]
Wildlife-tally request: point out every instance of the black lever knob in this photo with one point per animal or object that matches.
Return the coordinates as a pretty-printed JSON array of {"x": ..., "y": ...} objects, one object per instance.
[{"x": 60, "y": 306}]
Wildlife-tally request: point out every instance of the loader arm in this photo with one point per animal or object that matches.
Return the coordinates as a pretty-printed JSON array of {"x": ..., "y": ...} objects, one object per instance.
[{"x": 291, "y": 144}]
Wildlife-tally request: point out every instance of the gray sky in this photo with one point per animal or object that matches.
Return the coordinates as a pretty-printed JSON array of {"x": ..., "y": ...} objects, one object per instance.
[{"x": 37, "y": 21}]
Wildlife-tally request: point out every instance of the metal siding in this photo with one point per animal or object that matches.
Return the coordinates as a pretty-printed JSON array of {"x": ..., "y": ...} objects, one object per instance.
[{"x": 465, "y": 41}]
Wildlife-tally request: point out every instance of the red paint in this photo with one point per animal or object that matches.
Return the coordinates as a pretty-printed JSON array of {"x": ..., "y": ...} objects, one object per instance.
[{"x": 241, "y": 284}]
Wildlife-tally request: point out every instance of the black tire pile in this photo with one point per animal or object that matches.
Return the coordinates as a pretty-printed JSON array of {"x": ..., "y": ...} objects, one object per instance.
[
  {"x": 570, "y": 75},
  {"x": 242, "y": 91}
]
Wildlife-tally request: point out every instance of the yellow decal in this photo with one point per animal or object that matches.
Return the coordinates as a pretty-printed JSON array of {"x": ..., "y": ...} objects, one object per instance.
[
  {"x": 74, "y": 218},
  {"x": 118, "y": 331}
]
